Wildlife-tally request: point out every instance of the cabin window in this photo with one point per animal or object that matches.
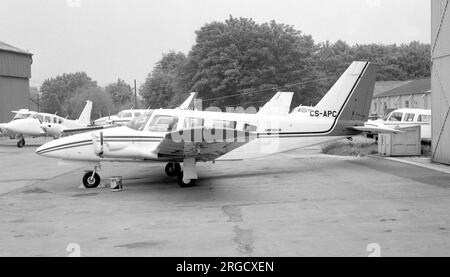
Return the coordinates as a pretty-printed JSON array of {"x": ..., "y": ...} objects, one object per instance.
[
  {"x": 163, "y": 123},
  {"x": 249, "y": 128},
  {"x": 127, "y": 115},
  {"x": 396, "y": 116},
  {"x": 137, "y": 114},
  {"x": 224, "y": 124},
  {"x": 192, "y": 122},
  {"x": 59, "y": 120},
  {"x": 409, "y": 117},
  {"x": 424, "y": 118}
]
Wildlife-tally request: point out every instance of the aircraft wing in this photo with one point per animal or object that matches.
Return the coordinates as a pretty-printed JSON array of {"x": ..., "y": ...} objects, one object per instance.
[{"x": 202, "y": 143}]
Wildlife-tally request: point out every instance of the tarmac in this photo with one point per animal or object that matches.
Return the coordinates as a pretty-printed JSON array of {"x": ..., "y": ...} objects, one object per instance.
[{"x": 300, "y": 203}]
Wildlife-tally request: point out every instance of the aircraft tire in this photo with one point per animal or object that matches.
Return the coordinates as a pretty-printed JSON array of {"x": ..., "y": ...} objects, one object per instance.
[
  {"x": 90, "y": 181},
  {"x": 172, "y": 169},
  {"x": 183, "y": 184},
  {"x": 21, "y": 143}
]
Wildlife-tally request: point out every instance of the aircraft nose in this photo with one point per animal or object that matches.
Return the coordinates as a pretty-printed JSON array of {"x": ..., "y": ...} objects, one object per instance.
[
  {"x": 43, "y": 149},
  {"x": 11, "y": 127},
  {"x": 24, "y": 126},
  {"x": 40, "y": 148}
]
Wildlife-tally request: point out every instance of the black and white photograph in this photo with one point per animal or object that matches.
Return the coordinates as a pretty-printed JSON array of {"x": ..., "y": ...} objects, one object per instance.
[{"x": 248, "y": 130}]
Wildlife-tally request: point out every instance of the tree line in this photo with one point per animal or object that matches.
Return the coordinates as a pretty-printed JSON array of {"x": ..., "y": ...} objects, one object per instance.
[{"x": 239, "y": 62}]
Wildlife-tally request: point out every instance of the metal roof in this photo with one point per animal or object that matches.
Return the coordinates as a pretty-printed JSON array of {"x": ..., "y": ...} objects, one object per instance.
[
  {"x": 9, "y": 48},
  {"x": 383, "y": 86},
  {"x": 418, "y": 86}
]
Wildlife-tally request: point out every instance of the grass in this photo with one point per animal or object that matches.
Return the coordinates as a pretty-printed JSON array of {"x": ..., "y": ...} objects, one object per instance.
[
  {"x": 348, "y": 148},
  {"x": 361, "y": 149}
]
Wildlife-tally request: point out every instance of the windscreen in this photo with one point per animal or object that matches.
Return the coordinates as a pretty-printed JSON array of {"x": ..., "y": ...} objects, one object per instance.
[{"x": 138, "y": 123}]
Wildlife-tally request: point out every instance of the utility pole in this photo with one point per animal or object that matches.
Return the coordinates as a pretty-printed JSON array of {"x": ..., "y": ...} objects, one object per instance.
[
  {"x": 135, "y": 95},
  {"x": 37, "y": 100}
]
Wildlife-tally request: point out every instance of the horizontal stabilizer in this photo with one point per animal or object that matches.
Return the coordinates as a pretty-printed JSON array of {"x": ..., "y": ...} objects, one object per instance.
[{"x": 376, "y": 129}]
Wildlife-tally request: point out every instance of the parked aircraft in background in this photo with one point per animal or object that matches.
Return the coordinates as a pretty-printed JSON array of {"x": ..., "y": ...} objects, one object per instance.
[
  {"x": 406, "y": 118},
  {"x": 176, "y": 136},
  {"x": 122, "y": 118},
  {"x": 125, "y": 116},
  {"x": 43, "y": 124},
  {"x": 20, "y": 114}
]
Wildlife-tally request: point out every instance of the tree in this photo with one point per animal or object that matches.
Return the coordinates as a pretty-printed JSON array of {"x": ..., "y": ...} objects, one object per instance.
[
  {"x": 56, "y": 91},
  {"x": 243, "y": 56},
  {"x": 121, "y": 93},
  {"x": 162, "y": 84},
  {"x": 102, "y": 102},
  {"x": 240, "y": 62}
]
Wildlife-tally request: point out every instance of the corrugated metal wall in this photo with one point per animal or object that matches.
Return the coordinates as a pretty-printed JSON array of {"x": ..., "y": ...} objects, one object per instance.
[
  {"x": 15, "y": 65},
  {"x": 15, "y": 71},
  {"x": 440, "y": 80},
  {"x": 14, "y": 94}
]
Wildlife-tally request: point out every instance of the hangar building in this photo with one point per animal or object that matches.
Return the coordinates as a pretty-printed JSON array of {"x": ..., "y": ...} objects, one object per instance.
[
  {"x": 15, "y": 72},
  {"x": 440, "y": 80},
  {"x": 392, "y": 95}
]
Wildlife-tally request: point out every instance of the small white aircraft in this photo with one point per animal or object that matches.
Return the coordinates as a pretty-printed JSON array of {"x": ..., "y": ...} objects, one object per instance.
[
  {"x": 20, "y": 114},
  {"x": 36, "y": 124},
  {"x": 125, "y": 116},
  {"x": 122, "y": 118},
  {"x": 406, "y": 118},
  {"x": 175, "y": 136}
]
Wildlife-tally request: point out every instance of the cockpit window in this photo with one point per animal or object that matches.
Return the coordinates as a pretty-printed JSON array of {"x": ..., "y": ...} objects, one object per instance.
[
  {"x": 163, "y": 123},
  {"x": 396, "y": 116},
  {"x": 138, "y": 123},
  {"x": 21, "y": 116}
]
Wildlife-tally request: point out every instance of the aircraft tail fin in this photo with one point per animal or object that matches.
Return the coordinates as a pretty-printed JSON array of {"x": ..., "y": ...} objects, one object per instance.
[
  {"x": 188, "y": 104},
  {"x": 280, "y": 104},
  {"x": 85, "y": 116},
  {"x": 350, "y": 97}
]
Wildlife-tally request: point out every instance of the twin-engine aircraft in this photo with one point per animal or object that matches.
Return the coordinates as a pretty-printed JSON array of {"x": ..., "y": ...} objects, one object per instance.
[
  {"x": 34, "y": 124},
  {"x": 177, "y": 136}
]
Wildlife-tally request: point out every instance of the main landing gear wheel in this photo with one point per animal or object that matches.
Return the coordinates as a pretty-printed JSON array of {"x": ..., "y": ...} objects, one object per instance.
[
  {"x": 21, "y": 143},
  {"x": 91, "y": 180},
  {"x": 173, "y": 169},
  {"x": 185, "y": 183}
]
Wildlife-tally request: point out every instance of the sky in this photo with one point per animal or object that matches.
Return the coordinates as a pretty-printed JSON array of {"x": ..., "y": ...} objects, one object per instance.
[{"x": 110, "y": 39}]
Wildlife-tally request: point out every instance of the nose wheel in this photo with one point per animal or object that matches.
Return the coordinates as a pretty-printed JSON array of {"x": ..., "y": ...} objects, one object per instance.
[
  {"x": 21, "y": 142},
  {"x": 91, "y": 179},
  {"x": 185, "y": 183}
]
